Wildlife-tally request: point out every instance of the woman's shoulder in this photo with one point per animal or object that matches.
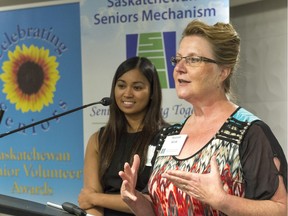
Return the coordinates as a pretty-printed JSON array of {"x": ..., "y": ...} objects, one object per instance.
[
  {"x": 243, "y": 115},
  {"x": 97, "y": 133},
  {"x": 168, "y": 130},
  {"x": 94, "y": 137},
  {"x": 172, "y": 128}
]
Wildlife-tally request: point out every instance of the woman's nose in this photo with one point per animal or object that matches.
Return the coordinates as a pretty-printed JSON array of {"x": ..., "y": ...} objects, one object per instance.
[
  {"x": 128, "y": 92},
  {"x": 180, "y": 67}
]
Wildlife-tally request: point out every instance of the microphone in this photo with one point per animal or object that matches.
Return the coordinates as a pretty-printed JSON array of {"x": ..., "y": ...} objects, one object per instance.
[
  {"x": 106, "y": 101},
  {"x": 73, "y": 209}
]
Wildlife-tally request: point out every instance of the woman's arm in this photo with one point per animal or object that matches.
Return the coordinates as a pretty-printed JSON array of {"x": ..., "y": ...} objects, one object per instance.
[
  {"x": 91, "y": 197},
  {"x": 277, "y": 205},
  {"x": 208, "y": 188},
  {"x": 111, "y": 201},
  {"x": 92, "y": 183}
]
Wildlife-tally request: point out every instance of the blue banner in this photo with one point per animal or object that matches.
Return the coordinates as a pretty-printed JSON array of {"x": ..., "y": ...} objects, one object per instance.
[{"x": 40, "y": 77}]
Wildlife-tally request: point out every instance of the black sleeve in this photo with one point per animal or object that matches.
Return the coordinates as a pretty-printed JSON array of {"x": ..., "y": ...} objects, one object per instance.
[
  {"x": 155, "y": 142},
  {"x": 257, "y": 151}
]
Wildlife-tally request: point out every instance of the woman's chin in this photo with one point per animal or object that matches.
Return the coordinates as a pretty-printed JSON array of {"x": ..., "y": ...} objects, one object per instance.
[{"x": 182, "y": 95}]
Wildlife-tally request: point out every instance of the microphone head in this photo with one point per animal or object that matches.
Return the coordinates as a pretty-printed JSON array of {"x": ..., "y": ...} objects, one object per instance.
[{"x": 106, "y": 101}]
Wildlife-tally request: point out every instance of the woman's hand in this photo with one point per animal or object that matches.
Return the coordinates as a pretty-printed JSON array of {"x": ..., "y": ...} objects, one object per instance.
[
  {"x": 129, "y": 177},
  {"x": 206, "y": 188},
  {"x": 85, "y": 197}
]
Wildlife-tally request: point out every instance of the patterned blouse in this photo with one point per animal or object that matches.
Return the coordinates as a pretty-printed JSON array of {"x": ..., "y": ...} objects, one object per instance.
[{"x": 243, "y": 145}]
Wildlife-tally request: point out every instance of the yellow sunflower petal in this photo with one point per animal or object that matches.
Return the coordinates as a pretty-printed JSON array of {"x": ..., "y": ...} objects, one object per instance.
[{"x": 30, "y": 77}]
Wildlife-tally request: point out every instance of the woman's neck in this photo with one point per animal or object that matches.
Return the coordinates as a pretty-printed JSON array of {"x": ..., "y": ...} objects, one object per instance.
[{"x": 134, "y": 125}]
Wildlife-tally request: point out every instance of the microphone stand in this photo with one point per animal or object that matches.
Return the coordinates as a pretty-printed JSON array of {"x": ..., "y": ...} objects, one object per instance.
[
  {"x": 105, "y": 102},
  {"x": 1, "y": 115}
]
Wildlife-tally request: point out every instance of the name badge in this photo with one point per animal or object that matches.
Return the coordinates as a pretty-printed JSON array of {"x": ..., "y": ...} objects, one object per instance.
[
  {"x": 150, "y": 154},
  {"x": 173, "y": 145}
]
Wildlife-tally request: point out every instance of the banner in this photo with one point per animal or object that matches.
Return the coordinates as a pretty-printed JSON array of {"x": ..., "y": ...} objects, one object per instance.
[
  {"x": 113, "y": 30},
  {"x": 40, "y": 77}
]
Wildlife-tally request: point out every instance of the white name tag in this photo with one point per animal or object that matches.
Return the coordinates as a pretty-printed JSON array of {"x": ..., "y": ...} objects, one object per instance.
[
  {"x": 173, "y": 145},
  {"x": 150, "y": 154}
]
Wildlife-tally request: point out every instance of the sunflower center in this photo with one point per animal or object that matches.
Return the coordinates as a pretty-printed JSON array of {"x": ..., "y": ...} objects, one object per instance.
[{"x": 30, "y": 77}]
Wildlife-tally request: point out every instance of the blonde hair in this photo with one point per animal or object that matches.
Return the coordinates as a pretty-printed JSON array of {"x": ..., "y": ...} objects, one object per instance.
[{"x": 224, "y": 40}]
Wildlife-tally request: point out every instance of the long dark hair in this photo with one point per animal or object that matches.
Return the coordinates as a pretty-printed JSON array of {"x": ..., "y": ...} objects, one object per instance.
[{"x": 117, "y": 123}]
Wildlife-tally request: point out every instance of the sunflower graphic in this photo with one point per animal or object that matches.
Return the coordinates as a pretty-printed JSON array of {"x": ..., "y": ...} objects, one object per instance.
[{"x": 30, "y": 76}]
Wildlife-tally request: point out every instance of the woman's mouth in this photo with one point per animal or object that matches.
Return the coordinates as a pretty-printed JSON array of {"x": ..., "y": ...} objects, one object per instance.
[
  {"x": 183, "y": 81},
  {"x": 128, "y": 102}
]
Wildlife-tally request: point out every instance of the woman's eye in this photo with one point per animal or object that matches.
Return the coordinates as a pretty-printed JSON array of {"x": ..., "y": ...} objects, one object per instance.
[
  {"x": 121, "y": 86},
  {"x": 138, "y": 88},
  {"x": 193, "y": 60}
]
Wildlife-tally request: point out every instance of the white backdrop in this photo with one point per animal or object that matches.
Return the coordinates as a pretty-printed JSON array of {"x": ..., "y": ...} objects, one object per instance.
[
  {"x": 262, "y": 77},
  {"x": 105, "y": 26}
]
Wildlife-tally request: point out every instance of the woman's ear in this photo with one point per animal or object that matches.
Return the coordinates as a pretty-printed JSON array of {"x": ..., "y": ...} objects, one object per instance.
[{"x": 225, "y": 72}]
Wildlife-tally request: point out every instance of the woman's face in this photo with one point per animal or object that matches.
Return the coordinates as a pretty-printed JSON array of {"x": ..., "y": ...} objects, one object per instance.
[
  {"x": 199, "y": 81},
  {"x": 132, "y": 93}
]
